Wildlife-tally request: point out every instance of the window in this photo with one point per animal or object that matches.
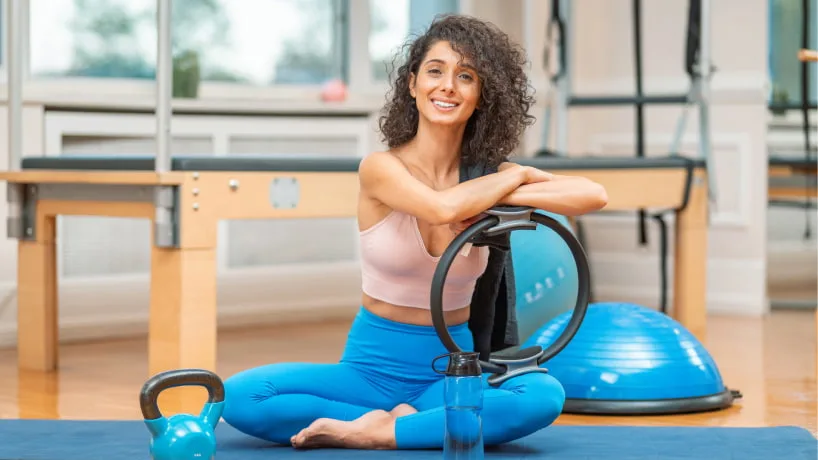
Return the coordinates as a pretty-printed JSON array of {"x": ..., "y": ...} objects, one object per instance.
[
  {"x": 255, "y": 42},
  {"x": 251, "y": 43},
  {"x": 392, "y": 22},
  {"x": 785, "y": 41},
  {"x": 93, "y": 38}
]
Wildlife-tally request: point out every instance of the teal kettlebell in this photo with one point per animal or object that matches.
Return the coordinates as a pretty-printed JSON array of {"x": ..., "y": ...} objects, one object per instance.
[{"x": 183, "y": 436}]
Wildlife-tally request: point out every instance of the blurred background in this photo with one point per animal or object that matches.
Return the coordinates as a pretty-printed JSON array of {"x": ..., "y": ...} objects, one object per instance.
[{"x": 250, "y": 78}]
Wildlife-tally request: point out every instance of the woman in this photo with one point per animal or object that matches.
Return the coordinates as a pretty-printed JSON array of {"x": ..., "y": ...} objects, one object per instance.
[{"x": 460, "y": 98}]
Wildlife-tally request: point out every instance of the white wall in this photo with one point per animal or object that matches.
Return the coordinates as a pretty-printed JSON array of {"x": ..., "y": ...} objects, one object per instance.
[
  {"x": 603, "y": 63},
  {"x": 98, "y": 306}
]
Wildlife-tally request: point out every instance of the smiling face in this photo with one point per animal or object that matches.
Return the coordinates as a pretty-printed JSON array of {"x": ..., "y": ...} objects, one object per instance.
[
  {"x": 446, "y": 88},
  {"x": 494, "y": 108}
]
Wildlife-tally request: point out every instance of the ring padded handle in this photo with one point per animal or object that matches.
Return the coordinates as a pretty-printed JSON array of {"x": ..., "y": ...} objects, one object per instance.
[{"x": 149, "y": 396}]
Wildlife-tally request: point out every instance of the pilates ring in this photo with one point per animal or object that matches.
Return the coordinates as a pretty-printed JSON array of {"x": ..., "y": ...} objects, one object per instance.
[{"x": 500, "y": 220}]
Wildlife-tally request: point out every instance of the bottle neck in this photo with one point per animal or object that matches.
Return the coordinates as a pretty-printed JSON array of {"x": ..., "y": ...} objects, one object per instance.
[{"x": 464, "y": 364}]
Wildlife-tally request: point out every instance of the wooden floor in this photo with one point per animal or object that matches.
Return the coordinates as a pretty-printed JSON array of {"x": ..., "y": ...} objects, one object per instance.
[{"x": 771, "y": 360}]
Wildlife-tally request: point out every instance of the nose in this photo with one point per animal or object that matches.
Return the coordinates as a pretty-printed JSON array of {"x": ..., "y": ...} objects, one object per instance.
[{"x": 448, "y": 84}]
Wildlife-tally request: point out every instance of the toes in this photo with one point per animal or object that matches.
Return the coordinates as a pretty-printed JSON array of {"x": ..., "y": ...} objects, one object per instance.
[
  {"x": 302, "y": 438},
  {"x": 315, "y": 435},
  {"x": 298, "y": 439}
]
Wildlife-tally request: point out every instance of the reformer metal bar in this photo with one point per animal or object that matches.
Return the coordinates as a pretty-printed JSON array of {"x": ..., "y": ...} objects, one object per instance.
[
  {"x": 640, "y": 107},
  {"x": 165, "y": 233},
  {"x": 805, "y": 118},
  {"x": 564, "y": 89},
  {"x": 164, "y": 85},
  {"x": 703, "y": 99},
  {"x": 14, "y": 68},
  {"x": 644, "y": 99}
]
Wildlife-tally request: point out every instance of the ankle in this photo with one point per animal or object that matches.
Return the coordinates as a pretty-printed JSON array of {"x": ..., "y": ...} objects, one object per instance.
[{"x": 402, "y": 410}]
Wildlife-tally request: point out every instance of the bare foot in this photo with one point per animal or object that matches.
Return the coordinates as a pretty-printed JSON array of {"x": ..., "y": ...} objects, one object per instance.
[
  {"x": 373, "y": 430},
  {"x": 402, "y": 409}
]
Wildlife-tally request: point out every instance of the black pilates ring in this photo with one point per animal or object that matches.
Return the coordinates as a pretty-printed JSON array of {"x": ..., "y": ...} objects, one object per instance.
[{"x": 501, "y": 220}]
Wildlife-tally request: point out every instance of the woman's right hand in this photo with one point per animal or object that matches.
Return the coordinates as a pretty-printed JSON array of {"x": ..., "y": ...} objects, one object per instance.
[
  {"x": 538, "y": 175},
  {"x": 528, "y": 174},
  {"x": 534, "y": 175}
]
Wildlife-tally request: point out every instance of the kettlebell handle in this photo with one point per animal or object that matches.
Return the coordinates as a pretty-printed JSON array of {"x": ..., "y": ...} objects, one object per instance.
[{"x": 149, "y": 396}]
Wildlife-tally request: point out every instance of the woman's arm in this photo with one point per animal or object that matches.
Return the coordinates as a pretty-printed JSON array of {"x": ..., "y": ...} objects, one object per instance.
[
  {"x": 384, "y": 178},
  {"x": 564, "y": 195}
]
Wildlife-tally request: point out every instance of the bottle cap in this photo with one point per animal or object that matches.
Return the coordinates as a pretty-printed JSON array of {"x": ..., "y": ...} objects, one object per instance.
[{"x": 464, "y": 364}]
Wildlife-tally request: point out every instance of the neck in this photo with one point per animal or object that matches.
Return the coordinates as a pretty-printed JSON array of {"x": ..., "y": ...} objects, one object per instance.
[{"x": 438, "y": 148}]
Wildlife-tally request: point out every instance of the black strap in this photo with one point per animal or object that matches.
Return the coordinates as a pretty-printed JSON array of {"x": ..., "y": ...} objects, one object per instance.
[
  {"x": 694, "y": 18},
  {"x": 640, "y": 108},
  {"x": 663, "y": 253},
  {"x": 555, "y": 21},
  {"x": 805, "y": 99}
]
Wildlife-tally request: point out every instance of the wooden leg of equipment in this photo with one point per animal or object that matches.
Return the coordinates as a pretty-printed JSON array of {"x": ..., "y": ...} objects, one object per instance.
[
  {"x": 182, "y": 331},
  {"x": 690, "y": 268},
  {"x": 38, "y": 394},
  {"x": 37, "y": 299}
]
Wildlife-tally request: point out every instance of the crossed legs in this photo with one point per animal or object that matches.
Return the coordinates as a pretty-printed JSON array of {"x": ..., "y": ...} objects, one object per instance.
[
  {"x": 383, "y": 394},
  {"x": 277, "y": 401},
  {"x": 335, "y": 405}
]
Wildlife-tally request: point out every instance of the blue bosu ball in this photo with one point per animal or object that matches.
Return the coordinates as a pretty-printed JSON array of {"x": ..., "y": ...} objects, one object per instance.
[{"x": 630, "y": 359}]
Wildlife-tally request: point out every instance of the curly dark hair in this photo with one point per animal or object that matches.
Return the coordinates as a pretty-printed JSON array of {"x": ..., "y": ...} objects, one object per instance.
[{"x": 494, "y": 130}]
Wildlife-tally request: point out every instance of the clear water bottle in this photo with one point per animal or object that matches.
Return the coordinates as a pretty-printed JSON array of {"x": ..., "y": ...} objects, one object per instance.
[{"x": 463, "y": 398}]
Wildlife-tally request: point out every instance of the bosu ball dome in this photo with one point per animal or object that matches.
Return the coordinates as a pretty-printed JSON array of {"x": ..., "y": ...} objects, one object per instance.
[{"x": 629, "y": 359}]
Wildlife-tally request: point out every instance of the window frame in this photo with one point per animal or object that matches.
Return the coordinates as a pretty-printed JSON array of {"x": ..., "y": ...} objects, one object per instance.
[
  {"x": 352, "y": 28},
  {"x": 774, "y": 48},
  {"x": 4, "y": 45}
]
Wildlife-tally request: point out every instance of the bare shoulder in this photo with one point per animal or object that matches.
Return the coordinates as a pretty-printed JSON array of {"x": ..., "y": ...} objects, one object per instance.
[
  {"x": 379, "y": 167},
  {"x": 375, "y": 174},
  {"x": 376, "y": 161}
]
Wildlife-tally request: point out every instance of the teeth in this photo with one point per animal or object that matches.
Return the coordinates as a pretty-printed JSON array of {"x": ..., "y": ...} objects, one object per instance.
[{"x": 443, "y": 104}]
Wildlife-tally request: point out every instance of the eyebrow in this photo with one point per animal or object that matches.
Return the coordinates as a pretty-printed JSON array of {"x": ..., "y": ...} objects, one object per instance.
[{"x": 440, "y": 61}]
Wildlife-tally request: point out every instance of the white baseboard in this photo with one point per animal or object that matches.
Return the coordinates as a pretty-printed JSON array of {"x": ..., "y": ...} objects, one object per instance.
[
  {"x": 93, "y": 310},
  {"x": 791, "y": 263},
  {"x": 734, "y": 286},
  {"x": 124, "y": 325},
  {"x": 118, "y": 307}
]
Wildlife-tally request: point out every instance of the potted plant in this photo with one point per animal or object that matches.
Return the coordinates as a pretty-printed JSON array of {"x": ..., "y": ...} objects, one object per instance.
[{"x": 186, "y": 75}]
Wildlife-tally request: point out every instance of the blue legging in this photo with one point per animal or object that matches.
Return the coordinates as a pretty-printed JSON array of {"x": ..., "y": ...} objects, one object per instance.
[{"x": 384, "y": 364}]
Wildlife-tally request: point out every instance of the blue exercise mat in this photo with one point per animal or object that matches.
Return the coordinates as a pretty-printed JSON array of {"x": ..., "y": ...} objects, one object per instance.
[{"x": 109, "y": 440}]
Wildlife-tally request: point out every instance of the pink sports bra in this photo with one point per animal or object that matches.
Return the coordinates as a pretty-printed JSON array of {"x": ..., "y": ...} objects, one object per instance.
[{"x": 397, "y": 268}]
